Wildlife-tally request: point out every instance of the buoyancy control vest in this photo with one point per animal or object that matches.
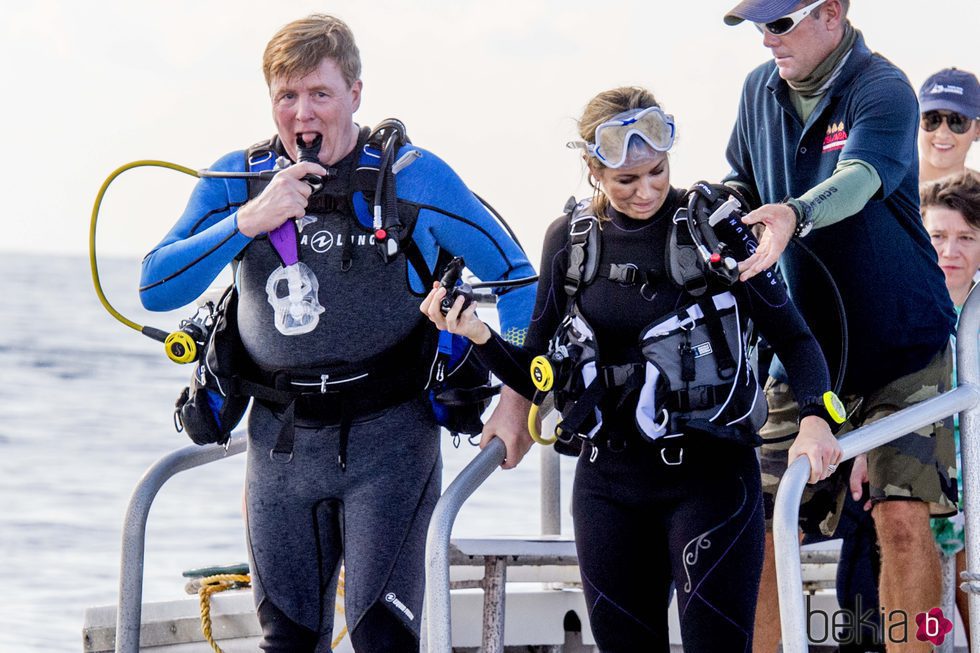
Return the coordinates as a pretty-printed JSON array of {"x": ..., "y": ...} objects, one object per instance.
[
  {"x": 457, "y": 384},
  {"x": 695, "y": 376}
]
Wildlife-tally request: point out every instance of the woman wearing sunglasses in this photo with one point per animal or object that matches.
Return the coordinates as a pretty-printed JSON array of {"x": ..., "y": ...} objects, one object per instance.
[
  {"x": 949, "y": 102},
  {"x": 665, "y": 492}
]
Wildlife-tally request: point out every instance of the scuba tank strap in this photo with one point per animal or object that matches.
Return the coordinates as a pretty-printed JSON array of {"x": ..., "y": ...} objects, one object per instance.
[
  {"x": 625, "y": 379},
  {"x": 726, "y": 364},
  {"x": 626, "y": 274},
  {"x": 258, "y": 157},
  {"x": 574, "y": 419},
  {"x": 583, "y": 246},
  {"x": 417, "y": 261},
  {"x": 282, "y": 452},
  {"x": 684, "y": 265},
  {"x": 700, "y": 397}
]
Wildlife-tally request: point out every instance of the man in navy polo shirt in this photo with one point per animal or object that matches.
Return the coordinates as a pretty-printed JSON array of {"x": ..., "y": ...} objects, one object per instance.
[{"x": 825, "y": 142}]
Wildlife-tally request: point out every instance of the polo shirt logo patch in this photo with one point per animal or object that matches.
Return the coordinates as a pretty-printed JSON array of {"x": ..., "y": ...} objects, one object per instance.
[{"x": 836, "y": 137}]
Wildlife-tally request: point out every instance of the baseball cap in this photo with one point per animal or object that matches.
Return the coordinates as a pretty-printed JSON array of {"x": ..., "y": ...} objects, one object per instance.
[
  {"x": 951, "y": 89},
  {"x": 760, "y": 11}
]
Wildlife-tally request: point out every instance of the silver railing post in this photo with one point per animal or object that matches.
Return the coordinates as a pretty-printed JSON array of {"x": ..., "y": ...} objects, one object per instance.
[
  {"x": 130, "y": 607},
  {"x": 550, "y": 481},
  {"x": 968, "y": 373},
  {"x": 947, "y": 600},
  {"x": 787, "y": 509},
  {"x": 438, "y": 625}
]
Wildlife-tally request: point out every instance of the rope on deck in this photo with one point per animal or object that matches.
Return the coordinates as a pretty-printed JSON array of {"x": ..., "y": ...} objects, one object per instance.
[
  {"x": 212, "y": 585},
  {"x": 221, "y": 582}
]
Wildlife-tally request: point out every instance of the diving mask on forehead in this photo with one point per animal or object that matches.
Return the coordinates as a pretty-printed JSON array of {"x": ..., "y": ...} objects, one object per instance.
[{"x": 614, "y": 143}]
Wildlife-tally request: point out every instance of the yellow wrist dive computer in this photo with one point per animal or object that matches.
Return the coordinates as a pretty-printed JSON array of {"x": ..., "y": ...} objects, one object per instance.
[{"x": 835, "y": 407}]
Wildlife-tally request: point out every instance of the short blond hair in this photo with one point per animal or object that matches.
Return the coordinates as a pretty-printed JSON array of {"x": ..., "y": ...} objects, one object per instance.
[{"x": 298, "y": 48}]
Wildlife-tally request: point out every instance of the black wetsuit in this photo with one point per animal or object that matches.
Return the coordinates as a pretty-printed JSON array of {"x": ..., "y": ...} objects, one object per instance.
[{"x": 687, "y": 511}]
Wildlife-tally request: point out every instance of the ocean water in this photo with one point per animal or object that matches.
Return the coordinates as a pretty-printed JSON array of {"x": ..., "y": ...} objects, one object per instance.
[{"x": 86, "y": 407}]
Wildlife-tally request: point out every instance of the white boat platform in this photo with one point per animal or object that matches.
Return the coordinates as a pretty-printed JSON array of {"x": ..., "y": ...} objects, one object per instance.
[{"x": 544, "y": 607}]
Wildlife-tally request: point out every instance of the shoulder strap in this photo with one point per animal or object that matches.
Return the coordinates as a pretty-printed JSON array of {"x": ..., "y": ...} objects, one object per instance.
[
  {"x": 583, "y": 246},
  {"x": 683, "y": 263},
  {"x": 261, "y": 156},
  {"x": 726, "y": 366}
]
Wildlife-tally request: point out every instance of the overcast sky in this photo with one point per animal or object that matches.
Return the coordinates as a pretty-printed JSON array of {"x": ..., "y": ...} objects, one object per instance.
[{"x": 493, "y": 87}]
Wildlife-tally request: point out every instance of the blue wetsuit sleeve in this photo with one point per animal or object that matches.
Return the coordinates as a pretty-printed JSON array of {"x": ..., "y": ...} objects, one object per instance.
[
  {"x": 779, "y": 321},
  {"x": 203, "y": 241},
  {"x": 453, "y": 219}
]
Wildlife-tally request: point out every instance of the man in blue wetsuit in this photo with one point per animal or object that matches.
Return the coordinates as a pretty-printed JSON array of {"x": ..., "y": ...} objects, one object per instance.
[
  {"x": 825, "y": 141},
  {"x": 356, "y": 475}
]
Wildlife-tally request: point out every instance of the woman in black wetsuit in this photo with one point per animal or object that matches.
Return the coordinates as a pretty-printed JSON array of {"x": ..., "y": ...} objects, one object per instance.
[{"x": 664, "y": 493}]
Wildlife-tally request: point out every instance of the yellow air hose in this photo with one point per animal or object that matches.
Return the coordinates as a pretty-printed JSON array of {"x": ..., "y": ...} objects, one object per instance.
[
  {"x": 532, "y": 427},
  {"x": 156, "y": 334},
  {"x": 543, "y": 377}
]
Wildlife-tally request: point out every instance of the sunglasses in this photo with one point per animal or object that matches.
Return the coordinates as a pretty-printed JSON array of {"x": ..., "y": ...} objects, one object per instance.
[
  {"x": 612, "y": 137},
  {"x": 957, "y": 122},
  {"x": 786, "y": 24}
]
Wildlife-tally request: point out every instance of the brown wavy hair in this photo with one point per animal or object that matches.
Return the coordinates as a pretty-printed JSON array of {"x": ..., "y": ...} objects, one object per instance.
[{"x": 960, "y": 192}]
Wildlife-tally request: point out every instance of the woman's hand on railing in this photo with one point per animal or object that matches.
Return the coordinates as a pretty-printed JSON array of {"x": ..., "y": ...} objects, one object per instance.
[{"x": 816, "y": 442}]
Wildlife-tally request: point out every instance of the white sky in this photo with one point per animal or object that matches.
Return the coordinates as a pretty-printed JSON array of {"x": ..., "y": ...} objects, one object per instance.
[{"x": 493, "y": 87}]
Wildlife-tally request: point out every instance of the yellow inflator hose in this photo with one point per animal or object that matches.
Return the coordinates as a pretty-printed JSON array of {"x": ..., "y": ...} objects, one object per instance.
[
  {"x": 543, "y": 377},
  {"x": 156, "y": 334}
]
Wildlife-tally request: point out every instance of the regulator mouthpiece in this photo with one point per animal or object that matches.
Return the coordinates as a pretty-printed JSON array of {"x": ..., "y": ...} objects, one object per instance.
[{"x": 310, "y": 154}]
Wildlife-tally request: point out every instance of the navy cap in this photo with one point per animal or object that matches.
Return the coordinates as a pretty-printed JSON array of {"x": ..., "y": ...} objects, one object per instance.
[
  {"x": 951, "y": 90},
  {"x": 760, "y": 11}
]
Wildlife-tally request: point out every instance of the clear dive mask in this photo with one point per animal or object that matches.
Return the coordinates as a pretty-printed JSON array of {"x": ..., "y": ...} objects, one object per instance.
[{"x": 613, "y": 138}]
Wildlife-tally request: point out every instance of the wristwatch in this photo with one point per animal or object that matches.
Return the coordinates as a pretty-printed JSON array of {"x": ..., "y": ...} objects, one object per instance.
[
  {"x": 804, "y": 216},
  {"x": 828, "y": 406}
]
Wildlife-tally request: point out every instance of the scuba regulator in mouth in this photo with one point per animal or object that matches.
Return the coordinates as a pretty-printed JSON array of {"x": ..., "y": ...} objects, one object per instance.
[{"x": 310, "y": 154}]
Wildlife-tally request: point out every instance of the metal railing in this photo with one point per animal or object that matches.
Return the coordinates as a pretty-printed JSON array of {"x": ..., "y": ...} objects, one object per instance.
[
  {"x": 130, "y": 608},
  {"x": 437, "y": 626},
  {"x": 964, "y": 399},
  {"x": 437, "y": 599}
]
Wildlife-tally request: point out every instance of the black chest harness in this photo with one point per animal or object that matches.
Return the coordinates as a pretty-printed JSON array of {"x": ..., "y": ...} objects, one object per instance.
[
  {"x": 226, "y": 377},
  {"x": 694, "y": 374}
]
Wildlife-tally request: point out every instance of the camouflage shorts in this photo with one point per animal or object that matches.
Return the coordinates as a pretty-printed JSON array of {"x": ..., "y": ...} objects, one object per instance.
[{"x": 920, "y": 465}]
